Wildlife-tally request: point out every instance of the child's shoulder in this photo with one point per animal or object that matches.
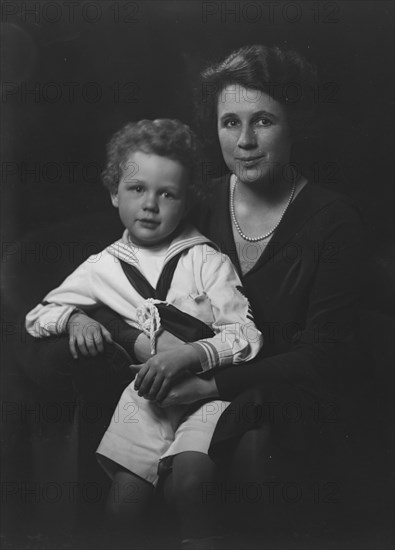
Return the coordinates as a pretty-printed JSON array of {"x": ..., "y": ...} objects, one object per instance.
[
  {"x": 189, "y": 240},
  {"x": 122, "y": 249},
  {"x": 102, "y": 260},
  {"x": 202, "y": 252}
]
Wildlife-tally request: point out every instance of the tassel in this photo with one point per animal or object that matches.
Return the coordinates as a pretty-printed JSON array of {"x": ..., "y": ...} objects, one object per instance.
[{"x": 148, "y": 319}]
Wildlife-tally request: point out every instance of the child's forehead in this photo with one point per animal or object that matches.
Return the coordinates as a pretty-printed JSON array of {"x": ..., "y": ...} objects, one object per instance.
[
  {"x": 130, "y": 153},
  {"x": 150, "y": 158},
  {"x": 145, "y": 153},
  {"x": 151, "y": 166}
]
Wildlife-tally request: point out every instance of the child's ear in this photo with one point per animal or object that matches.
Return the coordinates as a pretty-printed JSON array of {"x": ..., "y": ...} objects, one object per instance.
[{"x": 114, "y": 199}]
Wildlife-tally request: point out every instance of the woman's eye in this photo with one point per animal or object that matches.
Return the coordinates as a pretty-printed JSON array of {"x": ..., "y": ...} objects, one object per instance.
[
  {"x": 167, "y": 195},
  {"x": 264, "y": 122},
  {"x": 231, "y": 123}
]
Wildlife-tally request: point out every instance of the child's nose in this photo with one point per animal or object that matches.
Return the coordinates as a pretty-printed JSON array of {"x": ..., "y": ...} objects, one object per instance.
[{"x": 151, "y": 202}]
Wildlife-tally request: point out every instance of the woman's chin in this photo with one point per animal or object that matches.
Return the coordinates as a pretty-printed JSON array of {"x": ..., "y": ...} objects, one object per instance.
[
  {"x": 261, "y": 176},
  {"x": 252, "y": 174},
  {"x": 253, "y": 179}
]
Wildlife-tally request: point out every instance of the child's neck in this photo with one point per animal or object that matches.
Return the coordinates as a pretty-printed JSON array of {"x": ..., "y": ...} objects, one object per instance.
[{"x": 154, "y": 247}]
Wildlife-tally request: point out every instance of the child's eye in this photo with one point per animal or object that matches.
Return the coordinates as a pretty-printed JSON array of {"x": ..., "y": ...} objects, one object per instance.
[
  {"x": 136, "y": 188},
  {"x": 167, "y": 195}
]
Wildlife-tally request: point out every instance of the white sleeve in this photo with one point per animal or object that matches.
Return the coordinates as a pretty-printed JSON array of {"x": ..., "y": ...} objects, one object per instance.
[
  {"x": 51, "y": 316},
  {"x": 237, "y": 339}
]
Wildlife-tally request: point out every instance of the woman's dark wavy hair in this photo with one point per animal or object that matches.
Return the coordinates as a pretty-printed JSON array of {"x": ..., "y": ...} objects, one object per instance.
[
  {"x": 165, "y": 137},
  {"x": 283, "y": 74}
]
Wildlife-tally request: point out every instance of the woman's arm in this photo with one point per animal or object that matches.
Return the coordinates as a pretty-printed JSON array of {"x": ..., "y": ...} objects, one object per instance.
[
  {"x": 322, "y": 349},
  {"x": 189, "y": 391}
]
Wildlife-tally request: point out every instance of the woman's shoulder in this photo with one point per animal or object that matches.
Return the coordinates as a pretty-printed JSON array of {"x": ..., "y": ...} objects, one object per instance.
[
  {"x": 323, "y": 196},
  {"x": 328, "y": 214},
  {"x": 317, "y": 200}
]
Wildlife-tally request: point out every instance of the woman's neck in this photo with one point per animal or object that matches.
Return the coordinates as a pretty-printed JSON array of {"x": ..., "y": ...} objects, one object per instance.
[{"x": 269, "y": 193}]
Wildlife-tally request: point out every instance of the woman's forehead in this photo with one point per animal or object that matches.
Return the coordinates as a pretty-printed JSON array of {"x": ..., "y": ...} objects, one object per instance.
[{"x": 237, "y": 99}]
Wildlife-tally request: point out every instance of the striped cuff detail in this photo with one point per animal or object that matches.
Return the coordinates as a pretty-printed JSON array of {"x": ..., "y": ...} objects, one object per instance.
[{"x": 208, "y": 354}]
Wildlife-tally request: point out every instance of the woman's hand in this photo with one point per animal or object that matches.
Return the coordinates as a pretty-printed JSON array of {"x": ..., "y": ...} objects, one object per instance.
[
  {"x": 190, "y": 390},
  {"x": 165, "y": 342},
  {"x": 158, "y": 374},
  {"x": 86, "y": 335}
]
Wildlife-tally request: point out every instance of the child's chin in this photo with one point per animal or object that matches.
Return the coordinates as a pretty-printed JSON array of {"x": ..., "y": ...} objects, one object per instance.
[{"x": 149, "y": 242}]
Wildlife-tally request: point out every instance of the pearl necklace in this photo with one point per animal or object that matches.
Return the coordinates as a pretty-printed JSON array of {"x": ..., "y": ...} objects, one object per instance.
[{"x": 233, "y": 214}]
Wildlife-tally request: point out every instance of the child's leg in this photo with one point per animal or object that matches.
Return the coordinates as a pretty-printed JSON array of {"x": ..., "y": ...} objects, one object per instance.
[
  {"x": 190, "y": 486},
  {"x": 127, "y": 502},
  {"x": 186, "y": 488},
  {"x": 139, "y": 433}
]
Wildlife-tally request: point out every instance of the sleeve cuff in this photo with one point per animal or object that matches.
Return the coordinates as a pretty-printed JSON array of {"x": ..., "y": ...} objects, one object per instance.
[
  {"x": 62, "y": 323},
  {"x": 208, "y": 355}
]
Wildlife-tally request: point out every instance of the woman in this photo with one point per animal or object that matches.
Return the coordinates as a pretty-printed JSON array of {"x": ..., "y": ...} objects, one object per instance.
[{"x": 298, "y": 250}]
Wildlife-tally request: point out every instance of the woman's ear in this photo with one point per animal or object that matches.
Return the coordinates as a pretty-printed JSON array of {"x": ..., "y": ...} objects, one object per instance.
[{"x": 114, "y": 199}]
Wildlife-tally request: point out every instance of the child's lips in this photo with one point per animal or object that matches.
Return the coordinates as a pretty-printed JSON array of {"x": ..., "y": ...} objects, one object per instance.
[{"x": 148, "y": 222}]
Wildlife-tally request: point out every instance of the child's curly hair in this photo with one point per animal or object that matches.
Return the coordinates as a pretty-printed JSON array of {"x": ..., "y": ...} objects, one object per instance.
[{"x": 164, "y": 137}]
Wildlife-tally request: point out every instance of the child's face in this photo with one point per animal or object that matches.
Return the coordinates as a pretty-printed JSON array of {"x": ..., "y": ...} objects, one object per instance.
[{"x": 151, "y": 197}]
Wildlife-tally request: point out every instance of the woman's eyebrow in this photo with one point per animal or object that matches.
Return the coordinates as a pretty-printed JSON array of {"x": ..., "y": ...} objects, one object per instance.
[
  {"x": 225, "y": 115},
  {"x": 253, "y": 115},
  {"x": 265, "y": 113}
]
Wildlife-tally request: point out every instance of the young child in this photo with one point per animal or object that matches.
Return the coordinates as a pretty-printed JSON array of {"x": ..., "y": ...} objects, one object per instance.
[{"x": 162, "y": 274}]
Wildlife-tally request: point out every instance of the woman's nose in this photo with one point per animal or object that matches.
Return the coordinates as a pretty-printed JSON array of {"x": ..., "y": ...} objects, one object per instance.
[
  {"x": 150, "y": 202},
  {"x": 247, "y": 138}
]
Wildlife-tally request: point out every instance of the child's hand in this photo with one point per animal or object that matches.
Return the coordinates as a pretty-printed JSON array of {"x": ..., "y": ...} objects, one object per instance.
[
  {"x": 165, "y": 342},
  {"x": 160, "y": 371},
  {"x": 86, "y": 335}
]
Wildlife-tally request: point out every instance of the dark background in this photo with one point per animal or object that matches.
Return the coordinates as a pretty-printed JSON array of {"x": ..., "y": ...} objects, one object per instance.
[{"x": 71, "y": 76}]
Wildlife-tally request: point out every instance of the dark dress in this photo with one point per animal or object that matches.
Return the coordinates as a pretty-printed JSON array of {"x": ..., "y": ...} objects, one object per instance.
[{"x": 304, "y": 295}]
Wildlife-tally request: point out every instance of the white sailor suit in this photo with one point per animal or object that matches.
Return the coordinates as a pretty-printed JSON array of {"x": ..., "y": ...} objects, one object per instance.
[{"x": 204, "y": 285}]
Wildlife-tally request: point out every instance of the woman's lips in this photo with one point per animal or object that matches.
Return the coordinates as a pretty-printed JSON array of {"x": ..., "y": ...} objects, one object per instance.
[{"x": 249, "y": 161}]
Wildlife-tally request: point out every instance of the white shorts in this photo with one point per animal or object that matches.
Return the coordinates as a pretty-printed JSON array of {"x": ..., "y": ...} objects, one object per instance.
[{"x": 141, "y": 433}]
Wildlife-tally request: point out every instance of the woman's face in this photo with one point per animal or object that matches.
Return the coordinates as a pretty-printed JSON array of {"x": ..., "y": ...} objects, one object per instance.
[{"x": 253, "y": 133}]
